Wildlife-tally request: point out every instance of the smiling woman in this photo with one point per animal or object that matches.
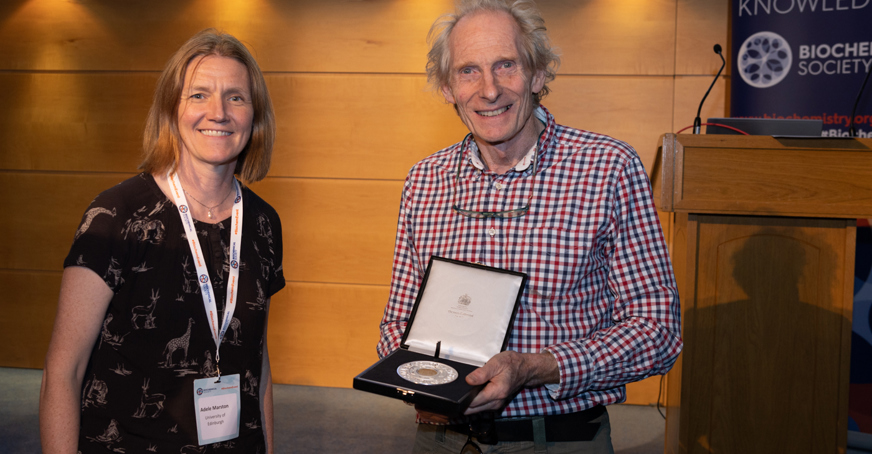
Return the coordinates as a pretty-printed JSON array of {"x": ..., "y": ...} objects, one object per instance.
[
  {"x": 215, "y": 116},
  {"x": 152, "y": 282}
]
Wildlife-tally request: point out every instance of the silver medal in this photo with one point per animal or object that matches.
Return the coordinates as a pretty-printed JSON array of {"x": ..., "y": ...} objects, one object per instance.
[{"x": 427, "y": 373}]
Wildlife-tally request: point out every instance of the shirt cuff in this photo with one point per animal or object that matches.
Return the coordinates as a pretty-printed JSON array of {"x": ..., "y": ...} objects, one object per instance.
[
  {"x": 553, "y": 390},
  {"x": 574, "y": 365}
]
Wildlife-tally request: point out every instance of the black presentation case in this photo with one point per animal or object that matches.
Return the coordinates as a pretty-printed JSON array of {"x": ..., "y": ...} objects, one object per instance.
[{"x": 463, "y": 312}]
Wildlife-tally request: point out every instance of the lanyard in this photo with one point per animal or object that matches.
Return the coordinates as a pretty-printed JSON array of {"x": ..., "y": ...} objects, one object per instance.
[{"x": 202, "y": 273}]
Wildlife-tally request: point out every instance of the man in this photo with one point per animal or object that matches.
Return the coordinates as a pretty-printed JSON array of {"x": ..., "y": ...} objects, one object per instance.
[{"x": 570, "y": 208}]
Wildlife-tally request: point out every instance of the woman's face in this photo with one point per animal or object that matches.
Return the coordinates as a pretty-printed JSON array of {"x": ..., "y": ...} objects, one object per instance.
[{"x": 215, "y": 111}]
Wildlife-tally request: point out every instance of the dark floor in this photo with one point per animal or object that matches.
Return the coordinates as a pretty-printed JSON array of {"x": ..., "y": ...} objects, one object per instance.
[{"x": 310, "y": 419}]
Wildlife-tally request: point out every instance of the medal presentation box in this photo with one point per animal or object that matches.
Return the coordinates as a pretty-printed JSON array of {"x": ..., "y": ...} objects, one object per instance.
[{"x": 461, "y": 318}]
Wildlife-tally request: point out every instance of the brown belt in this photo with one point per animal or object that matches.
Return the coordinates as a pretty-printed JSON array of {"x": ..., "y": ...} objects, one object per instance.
[{"x": 567, "y": 427}]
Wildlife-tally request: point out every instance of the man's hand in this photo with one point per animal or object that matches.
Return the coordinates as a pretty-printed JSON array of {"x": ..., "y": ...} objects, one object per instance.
[{"x": 508, "y": 372}]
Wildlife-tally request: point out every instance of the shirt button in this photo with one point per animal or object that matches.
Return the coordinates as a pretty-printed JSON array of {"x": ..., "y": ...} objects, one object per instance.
[
  {"x": 492, "y": 231},
  {"x": 498, "y": 186}
]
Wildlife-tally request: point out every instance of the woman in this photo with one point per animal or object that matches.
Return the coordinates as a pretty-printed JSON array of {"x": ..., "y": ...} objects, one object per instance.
[{"x": 133, "y": 365}]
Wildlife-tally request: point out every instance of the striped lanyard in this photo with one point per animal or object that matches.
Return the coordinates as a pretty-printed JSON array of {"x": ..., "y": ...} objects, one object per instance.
[{"x": 205, "y": 283}]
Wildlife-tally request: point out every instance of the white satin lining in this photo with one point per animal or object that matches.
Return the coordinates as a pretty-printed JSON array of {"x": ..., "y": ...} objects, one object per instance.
[{"x": 468, "y": 309}]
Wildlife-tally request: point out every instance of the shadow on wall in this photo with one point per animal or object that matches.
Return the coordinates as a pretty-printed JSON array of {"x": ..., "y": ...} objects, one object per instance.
[
  {"x": 860, "y": 389},
  {"x": 765, "y": 330}
]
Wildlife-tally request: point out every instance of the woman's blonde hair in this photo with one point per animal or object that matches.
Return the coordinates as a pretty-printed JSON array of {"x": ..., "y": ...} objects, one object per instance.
[{"x": 161, "y": 139}]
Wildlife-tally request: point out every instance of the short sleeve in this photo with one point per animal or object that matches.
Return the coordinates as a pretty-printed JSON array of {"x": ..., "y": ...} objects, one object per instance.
[
  {"x": 265, "y": 236},
  {"x": 278, "y": 281},
  {"x": 99, "y": 242}
]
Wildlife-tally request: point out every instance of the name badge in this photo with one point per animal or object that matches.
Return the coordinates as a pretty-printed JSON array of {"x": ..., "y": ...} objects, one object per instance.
[{"x": 216, "y": 405}]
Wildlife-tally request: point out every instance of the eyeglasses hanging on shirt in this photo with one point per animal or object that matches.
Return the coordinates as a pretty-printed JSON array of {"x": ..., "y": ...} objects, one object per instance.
[{"x": 505, "y": 214}]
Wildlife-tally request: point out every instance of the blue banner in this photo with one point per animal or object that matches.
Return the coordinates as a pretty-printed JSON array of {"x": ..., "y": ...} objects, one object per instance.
[
  {"x": 807, "y": 59},
  {"x": 803, "y": 59}
]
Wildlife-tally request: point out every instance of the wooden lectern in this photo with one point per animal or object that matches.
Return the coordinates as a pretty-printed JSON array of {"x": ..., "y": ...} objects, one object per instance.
[{"x": 763, "y": 241}]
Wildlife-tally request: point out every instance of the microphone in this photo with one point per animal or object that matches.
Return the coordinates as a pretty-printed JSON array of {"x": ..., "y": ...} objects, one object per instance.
[
  {"x": 851, "y": 131},
  {"x": 697, "y": 122}
]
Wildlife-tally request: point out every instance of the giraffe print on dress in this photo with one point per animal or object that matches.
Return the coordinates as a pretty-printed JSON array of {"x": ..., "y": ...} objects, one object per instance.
[
  {"x": 89, "y": 217},
  {"x": 157, "y": 286},
  {"x": 179, "y": 343}
]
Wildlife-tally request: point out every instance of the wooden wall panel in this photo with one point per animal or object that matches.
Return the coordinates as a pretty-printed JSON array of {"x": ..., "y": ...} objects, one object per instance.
[
  {"x": 323, "y": 36},
  {"x": 609, "y": 37},
  {"x": 633, "y": 109},
  {"x": 336, "y": 231},
  {"x": 340, "y": 36},
  {"x": 595, "y": 36},
  {"x": 48, "y": 208},
  {"x": 29, "y": 304},
  {"x": 140, "y": 35},
  {"x": 81, "y": 122},
  {"x": 644, "y": 392},
  {"x": 358, "y": 126},
  {"x": 701, "y": 25},
  {"x": 324, "y": 334}
]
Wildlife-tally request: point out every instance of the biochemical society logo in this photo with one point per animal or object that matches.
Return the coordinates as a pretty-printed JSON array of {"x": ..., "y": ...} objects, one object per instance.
[
  {"x": 803, "y": 59},
  {"x": 766, "y": 58}
]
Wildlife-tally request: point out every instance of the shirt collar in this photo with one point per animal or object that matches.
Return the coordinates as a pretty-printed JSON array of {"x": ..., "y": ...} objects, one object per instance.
[{"x": 524, "y": 163}]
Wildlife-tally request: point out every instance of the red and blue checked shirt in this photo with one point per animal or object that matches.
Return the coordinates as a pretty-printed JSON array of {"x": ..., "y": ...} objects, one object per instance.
[{"x": 601, "y": 295}]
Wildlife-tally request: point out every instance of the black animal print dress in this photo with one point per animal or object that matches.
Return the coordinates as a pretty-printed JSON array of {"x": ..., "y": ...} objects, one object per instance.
[{"x": 137, "y": 394}]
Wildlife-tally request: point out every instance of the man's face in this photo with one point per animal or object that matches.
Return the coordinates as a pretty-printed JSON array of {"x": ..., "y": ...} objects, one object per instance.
[{"x": 491, "y": 89}]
